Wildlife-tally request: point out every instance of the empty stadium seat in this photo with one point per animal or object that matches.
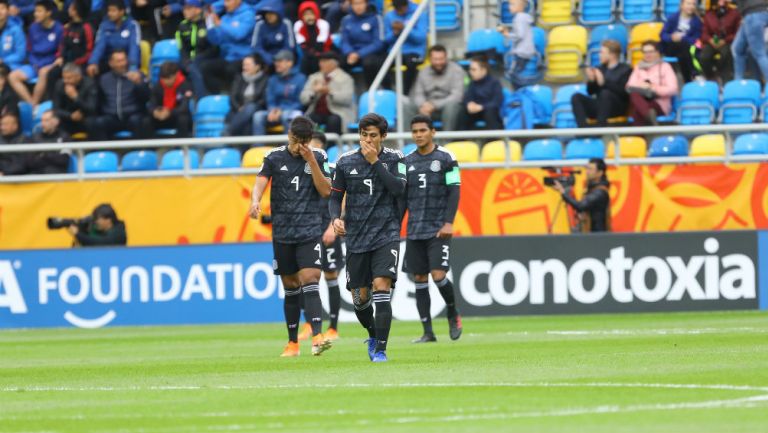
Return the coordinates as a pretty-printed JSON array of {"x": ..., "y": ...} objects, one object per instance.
[
  {"x": 741, "y": 99},
  {"x": 333, "y": 154},
  {"x": 585, "y": 148},
  {"x": 174, "y": 160},
  {"x": 100, "y": 162},
  {"x": 699, "y": 102},
  {"x": 486, "y": 41},
  {"x": 223, "y": 157},
  {"x": 555, "y": 12},
  {"x": 465, "y": 151},
  {"x": 670, "y": 145},
  {"x": 708, "y": 145},
  {"x": 668, "y": 8},
  {"x": 562, "y": 113},
  {"x": 139, "y": 160},
  {"x": 447, "y": 15},
  {"x": 72, "y": 167},
  {"x": 593, "y": 12},
  {"x": 637, "y": 11},
  {"x": 163, "y": 51},
  {"x": 639, "y": 34},
  {"x": 629, "y": 147},
  {"x": 751, "y": 144},
  {"x": 543, "y": 96},
  {"x": 210, "y": 114},
  {"x": 254, "y": 157},
  {"x": 496, "y": 151},
  {"x": 385, "y": 105},
  {"x": 26, "y": 119},
  {"x": 543, "y": 150},
  {"x": 616, "y": 32},
  {"x": 566, "y": 48}
]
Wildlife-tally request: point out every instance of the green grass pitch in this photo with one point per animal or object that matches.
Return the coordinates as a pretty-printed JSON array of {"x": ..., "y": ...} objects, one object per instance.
[{"x": 695, "y": 372}]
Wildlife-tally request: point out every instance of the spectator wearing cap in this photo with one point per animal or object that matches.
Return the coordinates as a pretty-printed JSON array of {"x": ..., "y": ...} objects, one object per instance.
[
  {"x": 13, "y": 49},
  {"x": 116, "y": 32},
  {"x": 247, "y": 96},
  {"x": 75, "y": 98},
  {"x": 283, "y": 95},
  {"x": 329, "y": 95},
  {"x": 169, "y": 103},
  {"x": 439, "y": 90},
  {"x": 313, "y": 36},
  {"x": 48, "y": 162},
  {"x": 232, "y": 33},
  {"x": 362, "y": 39},
  {"x": 9, "y": 101},
  {"x": 42, "y": 45},
  {"x": 193, "y": 43},
  {"x": 415, "y": 44},
  {"x": 76, "y": 42},
  {"x": 272, "y": 33}
]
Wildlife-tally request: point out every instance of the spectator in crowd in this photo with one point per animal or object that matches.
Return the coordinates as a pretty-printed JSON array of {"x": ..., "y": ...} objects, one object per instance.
[
  {"x": 13, "y": 49},
  {"x": 171, "y": 15},
  {"x": 721, "y": 23},
  {"x": 439, "y": 90},
  {"x": 42, "y": 45},
  {"x": 74, "y": 99},
  {"x": 330, "y": 95},
  {"x": 247, "y": 96},
  {"x": 48, "y": 162},
  {"x": 414, "y": 46},
  {"x": 76, "y": 42},
  {"x": 519, "y": 38},
  {"x": 482, "y": 100},
  {"x": 362, "y": 39},
  {"x": 9, "y": 102},
  {"x": 169, "y": 105},
  {"x": 750, "y": 39},
  {"x": 50, "y": 131},
  {"x": 11, "y": 163},
  {"x": 313, "y": 36},
  {"x": 123, "y": 101},
  {"x": 651, "y": 86},
  {"x": 23, "y": 11},
  {"x": 272, "y": 33},
  {"x": 606, "y": 86},
  {"x": 147, "y": 14},
  {"x": 283, "y": 95},
  {"x": 334, "y": 12},
  {"x": 116, "y": 32},
  {"x": 193, "y": 43},
  {"x": 679, "y": 34},
  {"x": 232, "y": 33}
]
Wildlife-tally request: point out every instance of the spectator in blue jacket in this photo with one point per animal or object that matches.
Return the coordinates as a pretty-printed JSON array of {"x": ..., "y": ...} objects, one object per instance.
[
  {"x": 362, "y": 39},
  {"x": 415, "y": 45},
  {"x": 482, "y": 100},
  {"x": 22, "y": 10},
  {"x": 679, "y": 34},
  {"x": 272, "y": 33},
  {"x": 283, "y": 95},
  {"x": 116, "y": 32},
  {"x": 43, "y": 44},
  {"x": 232, "y": 33},
  {"x": 13, "y": 42}
]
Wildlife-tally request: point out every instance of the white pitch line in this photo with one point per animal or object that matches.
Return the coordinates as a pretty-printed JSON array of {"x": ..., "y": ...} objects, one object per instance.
[{"x": 673, "y": 331}]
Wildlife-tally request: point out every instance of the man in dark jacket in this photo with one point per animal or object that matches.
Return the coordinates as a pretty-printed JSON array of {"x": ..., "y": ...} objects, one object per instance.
[
  {"x": 594, "y": 208},
  {"x": 12, "y": 163},
  {"x": 272, "y": 33},
  {"x": 193, "y": 43},
  {"x": 750, "y": 39},
  {"x": 74, "y": 99},
  {"x": 169, "y": 105},
  {"x": 76, "y": 42},
  {"x": 482, "y": 100},
  {"x": 123, "y": 101},
  {"x": 104, "y": 230},
  {"x": 116, "y": 32},
  {"x": 9, "y": 101},
  {"x": 362, "y": 39},
  {"x": 48, "y": 162},
  {"x": 606, "y": 86}
]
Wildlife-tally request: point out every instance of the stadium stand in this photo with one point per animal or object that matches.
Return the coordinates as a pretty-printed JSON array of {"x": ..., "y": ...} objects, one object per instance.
[
  {"x": 585, "y": 148},
  {"x": 465, "y": 151},
  {"x": 222, "y": 157},
  {"x": 543, "y": 150},
  {"x": 566, "y": 49},
  {"x": 139, "y": 160},
  {"x": 741, "y": 102},
  {"x": 629, "y": 147},
  {"x": 699, "y": 103},
  {"x": 671, "y": 145},
  {"x": 100, "y": 162},
  {"x": 496, "y": 151},
  {"x": 708, "y": 145},
  {"x": 174, "y": 160}
]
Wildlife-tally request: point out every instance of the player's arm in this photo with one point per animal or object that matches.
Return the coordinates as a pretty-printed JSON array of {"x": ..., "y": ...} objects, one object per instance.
[
  {"x": 336, "y": 200},
  {"x": 321, "y": 176},
  {"x": 262, "y": 180},
  {"x": 393, "y": 182},
  {"x": 453, "y": 181}
]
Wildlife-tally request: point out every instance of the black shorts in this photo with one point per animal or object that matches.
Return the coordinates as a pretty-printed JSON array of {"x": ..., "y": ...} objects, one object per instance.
[
  {"x": 363, "y": 268},
  {"x": 290, "y": 258},
  {"x": 333, "y": 257},
  {"x": 424, "y": 256}
]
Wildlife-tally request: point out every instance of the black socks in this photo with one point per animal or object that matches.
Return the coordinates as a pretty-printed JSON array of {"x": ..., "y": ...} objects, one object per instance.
[
  {"x": 383, "y": 318},
  {"x": 423, "y": 304},
  {"x": 292, "y": 309}
]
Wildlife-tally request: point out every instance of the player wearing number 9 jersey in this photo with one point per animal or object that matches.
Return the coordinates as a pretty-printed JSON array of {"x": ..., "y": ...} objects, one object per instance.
[{"x": 373, "y": 181}]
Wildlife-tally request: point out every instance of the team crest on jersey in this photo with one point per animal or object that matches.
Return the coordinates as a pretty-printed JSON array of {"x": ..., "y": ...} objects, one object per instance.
[
  {"x": 385, "y": 165},
  {"x": 307, "y": 169},
  {"x": 435, "y": 166}
]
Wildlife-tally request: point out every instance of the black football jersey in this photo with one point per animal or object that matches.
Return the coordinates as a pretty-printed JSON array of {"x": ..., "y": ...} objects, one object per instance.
[{"x": 429, "y": 179}]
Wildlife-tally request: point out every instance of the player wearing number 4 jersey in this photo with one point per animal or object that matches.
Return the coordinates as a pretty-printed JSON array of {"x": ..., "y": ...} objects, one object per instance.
[
  {"x": 373, "y": 181},
  {"x": 432, "y": 200},
  {"x": 300, "y": 177}
]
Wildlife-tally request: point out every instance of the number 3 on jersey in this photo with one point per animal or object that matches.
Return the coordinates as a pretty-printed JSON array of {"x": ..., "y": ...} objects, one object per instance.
[
  {"x": 369, "y": 182},
  {"x": 422, "y": 180}
]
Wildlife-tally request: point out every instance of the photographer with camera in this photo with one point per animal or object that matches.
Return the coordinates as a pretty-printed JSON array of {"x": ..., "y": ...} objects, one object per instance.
[
  {"x": 101, "y": 228},
  {"x": 594, "y": 208}
]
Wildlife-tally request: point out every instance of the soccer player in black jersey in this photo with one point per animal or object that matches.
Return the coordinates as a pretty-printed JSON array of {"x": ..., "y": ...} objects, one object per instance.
[
  {"x": 373, "y": 180},
  {"x": 300, "y": 177},
  {"x": 432, "y": 200}
]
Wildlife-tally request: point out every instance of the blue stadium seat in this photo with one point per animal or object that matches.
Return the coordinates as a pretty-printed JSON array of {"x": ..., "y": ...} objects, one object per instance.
[
  {"x": 637, "y": 11},
  {"x": 585, "y": 148},
  {"x": 672, "y": 116},
  {"x": 741, "y": 99},
  {"x": 562, "y": 113},
  {"x": 593, "y": 12},
  {"x": 163, "y": 51},
  {"x": 210, "y": 114},
  {"x": 670, "y": 145},
  {"x": 751, "y": 144},
  {"x": 485, "y": 41},
  {"x": 139, "y": 160},
  {"x": 408, "y": 148},
  {"x": 333, "y": 154},
  {"x": 72, "y": 167},
  {"x": 617, "y": 32},
  {"x": 699, "y": 102},
  {"x": 100, "y": 162},
  {"x": 447, "y": 15},
  {"x": 543, "y": 97},
  {"x": 174, "y": 160},
  {"x": 26, "y": 119},
  {"x": 543, "y": 150},
  {"x": 223, "y": 157},
  {"x": 386, "y": 106},
  {"x": 668, "y": 7}
]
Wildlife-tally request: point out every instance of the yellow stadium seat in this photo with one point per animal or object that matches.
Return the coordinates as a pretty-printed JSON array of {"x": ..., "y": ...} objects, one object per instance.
[
  {"x": 629, "y": 147},
  {"x": 146, "y": 53},
  {"x": 708, "y": 145},
  {"x": 465, "y": 151},
  {"x": 555, "y": 12},
  {"x": 495, "y": 151},
  {"x": 254, "y": 157},
  {"x": 566, "y": 48},
  {"x": 639, "y": 34}
]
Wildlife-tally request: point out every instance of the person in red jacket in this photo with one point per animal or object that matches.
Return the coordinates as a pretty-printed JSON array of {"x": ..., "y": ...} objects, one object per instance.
[
  {"x": 313, "y": 36},
  {"x": 721, "y": 23}
]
